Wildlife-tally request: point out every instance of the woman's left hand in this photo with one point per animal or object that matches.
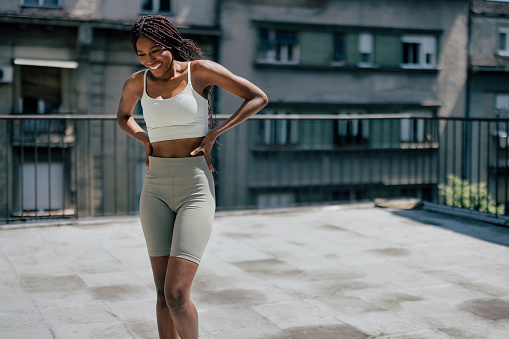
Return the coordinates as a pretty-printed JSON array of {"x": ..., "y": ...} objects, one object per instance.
[{"x": 206, "y": 147}]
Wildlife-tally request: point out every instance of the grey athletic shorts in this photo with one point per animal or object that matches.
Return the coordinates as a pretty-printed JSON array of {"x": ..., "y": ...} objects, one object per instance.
[{"x": 177, "y": 207}]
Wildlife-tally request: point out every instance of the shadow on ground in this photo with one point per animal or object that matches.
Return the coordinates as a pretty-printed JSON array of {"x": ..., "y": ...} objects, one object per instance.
[{"x": 484, "y": 231}]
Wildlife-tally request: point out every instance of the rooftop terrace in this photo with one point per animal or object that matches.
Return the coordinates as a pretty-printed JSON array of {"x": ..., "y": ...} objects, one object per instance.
[{"x": 330, "y": 272}]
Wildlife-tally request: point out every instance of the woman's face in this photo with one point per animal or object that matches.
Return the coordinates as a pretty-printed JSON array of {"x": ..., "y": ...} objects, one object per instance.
[{"x": 153, "y": 56}]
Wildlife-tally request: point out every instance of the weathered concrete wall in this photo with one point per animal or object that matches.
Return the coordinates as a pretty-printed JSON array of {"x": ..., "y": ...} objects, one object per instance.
[
  {"x": 184, "y": 12},
  {"x": 485, "y": 41}
]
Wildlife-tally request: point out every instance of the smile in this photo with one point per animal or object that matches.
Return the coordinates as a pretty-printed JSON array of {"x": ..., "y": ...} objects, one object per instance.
[{"x": 155, "y": 67}]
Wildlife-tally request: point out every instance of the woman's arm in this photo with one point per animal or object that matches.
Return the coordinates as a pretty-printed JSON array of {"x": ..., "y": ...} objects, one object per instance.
[
  {"x": 207, "y": 73},
  {"x": 131, "y": 94}
]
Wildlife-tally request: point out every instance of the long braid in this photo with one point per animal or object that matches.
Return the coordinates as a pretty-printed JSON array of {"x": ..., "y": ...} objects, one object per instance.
[{"x": 160, "y": 30}]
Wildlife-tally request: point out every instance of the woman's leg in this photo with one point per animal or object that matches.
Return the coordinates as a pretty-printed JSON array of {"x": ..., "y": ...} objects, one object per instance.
[
  {"x": 165, "y": 324},
  {"x": 176, "y": 314},
  {"x": 177, "y": 289}
]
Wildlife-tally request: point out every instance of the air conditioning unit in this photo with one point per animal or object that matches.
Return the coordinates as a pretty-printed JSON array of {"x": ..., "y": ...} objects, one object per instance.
[{"x": 5, "y": 73}]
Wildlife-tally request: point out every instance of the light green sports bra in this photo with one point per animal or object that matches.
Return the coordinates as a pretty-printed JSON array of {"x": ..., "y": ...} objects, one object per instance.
[{"x": 184, "y": 115}]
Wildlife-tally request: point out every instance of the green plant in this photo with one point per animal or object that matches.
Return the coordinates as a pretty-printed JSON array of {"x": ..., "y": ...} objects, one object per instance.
[
  {"x": 381, "y": 332},
  {"x": 460, "y": 193}
]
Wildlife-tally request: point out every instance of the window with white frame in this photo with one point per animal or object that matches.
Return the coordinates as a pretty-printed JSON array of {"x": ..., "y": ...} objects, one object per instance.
[
  {"x": 278, "y": 47},
  {"x": 40, "y": 3},
  {"x": 278, "y": 131},
  {"x": 419, "y": 51},
  {"x": 503, "y": 41},
  {"x": 156, "y": 6},
  {"x": 366, "y": 50}
]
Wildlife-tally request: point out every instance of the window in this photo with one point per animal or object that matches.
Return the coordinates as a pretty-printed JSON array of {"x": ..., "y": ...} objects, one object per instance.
[
  {"x": 352, "y": 132},
  {"x": 338, "y": 56},
  {"x": 366, "y": 50},
  {"x": 37, "y": 181},
  {"x": 502, "y": 105},
  {"x": 39, "y": 3},
  {"x": 419, "y": 51},
  {"x": 156, "y": 6},
  {"x": 278, "y": 131},
  {"x": 503, "y": 41},
  {"x": 416, "y": 131},
  {"x": 278, "y": 46}
]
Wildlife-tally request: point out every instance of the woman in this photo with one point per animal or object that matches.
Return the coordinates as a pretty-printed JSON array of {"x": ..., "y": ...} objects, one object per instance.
[{"x": 177, "y": 203}]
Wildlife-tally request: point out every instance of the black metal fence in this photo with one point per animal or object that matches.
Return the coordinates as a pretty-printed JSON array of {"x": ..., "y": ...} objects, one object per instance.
[{"x": 57, "y": 166}]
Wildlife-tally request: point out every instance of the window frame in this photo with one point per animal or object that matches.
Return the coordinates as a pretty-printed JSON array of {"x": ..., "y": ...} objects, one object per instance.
[
  {"x": 426, "y": 42},
  {"x": 41, "y": 4},
  {"x": 336, "y": 38},
  {"x": 269, "y": 56},
  {"x": 503, "y": 52},
  {"x": 501, "y": 108},
  {"x": 366, "y": 47},
  {"x": 156, "y": 8}
]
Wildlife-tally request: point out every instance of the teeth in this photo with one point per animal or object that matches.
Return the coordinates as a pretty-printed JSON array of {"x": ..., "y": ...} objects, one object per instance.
[{"x": 155, "y": 67}]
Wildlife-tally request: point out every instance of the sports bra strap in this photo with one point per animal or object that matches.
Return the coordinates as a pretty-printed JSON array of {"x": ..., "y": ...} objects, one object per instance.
[
  {"x": 189, "y": 73},
  {"x": 145, "y": 81}
]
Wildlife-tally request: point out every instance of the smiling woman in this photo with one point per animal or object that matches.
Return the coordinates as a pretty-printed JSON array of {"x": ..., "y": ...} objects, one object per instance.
[{"x": 177, "y": 203}]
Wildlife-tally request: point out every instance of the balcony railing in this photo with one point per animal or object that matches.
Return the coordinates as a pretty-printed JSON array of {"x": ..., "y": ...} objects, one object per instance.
[{"x": 57, "y": 166}]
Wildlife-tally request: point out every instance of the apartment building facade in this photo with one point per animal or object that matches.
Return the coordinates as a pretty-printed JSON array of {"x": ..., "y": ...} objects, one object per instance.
[{"x": 342, "y": 58}]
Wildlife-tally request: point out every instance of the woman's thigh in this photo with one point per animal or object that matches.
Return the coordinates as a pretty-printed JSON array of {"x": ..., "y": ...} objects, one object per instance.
[{"x": 157, "y": 221}]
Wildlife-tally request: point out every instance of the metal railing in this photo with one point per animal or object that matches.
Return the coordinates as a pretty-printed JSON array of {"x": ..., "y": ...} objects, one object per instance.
[{"x": 57, "y": 166}]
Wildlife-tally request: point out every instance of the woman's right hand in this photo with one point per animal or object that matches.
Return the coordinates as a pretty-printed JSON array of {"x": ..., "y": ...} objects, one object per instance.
[{"x": 148, "y": 151}]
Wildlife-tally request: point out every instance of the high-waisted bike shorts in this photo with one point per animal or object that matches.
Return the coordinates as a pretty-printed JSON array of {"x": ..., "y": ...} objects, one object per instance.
[{"x": 177, "y": 207}]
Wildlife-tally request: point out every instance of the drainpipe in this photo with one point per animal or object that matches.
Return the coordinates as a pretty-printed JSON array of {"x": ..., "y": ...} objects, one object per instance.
[{"x": 467, "y": 128}]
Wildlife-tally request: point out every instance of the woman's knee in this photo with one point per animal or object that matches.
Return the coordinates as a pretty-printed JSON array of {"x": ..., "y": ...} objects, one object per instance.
[
  {"x": 161, "y": 296},
  {"x": 176, "y": 297}
]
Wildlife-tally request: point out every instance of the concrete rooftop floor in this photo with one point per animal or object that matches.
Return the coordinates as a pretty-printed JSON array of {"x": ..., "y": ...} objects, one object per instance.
[{"x": 330, "y": 272}]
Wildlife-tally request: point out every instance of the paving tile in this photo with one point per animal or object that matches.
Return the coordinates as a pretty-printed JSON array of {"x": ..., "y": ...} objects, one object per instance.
[
  {"x": 253, "y": 332},
  {"x": 15, "y": 302},
  {"x": 41, "y": 283},
  {"x": 39, "y": 333},
  {"x": 111, "y": 292},
  {"x": 19, "y": 320},
  {"x": 234, "y": 318},
  {"x": 132, "y": 310},
  {"x": 106, "y": 330},
  {"x": 373, "y": 323},
  {"x": 86, "y": 314},
  {"x": 246, "y": 254},
  {"x": 296, "y": 311},
  {"x": 55, "y": 298},
  {"x": 142, "y": 328}
]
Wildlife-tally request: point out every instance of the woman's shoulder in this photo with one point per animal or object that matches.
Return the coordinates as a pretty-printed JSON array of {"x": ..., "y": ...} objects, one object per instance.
[
  {"x": 135, "y": 83},
  {"x": 203, "y": 65}
]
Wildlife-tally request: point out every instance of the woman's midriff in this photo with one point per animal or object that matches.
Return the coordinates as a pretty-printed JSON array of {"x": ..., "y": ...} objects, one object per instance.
[{"x": 179, "y": 148}]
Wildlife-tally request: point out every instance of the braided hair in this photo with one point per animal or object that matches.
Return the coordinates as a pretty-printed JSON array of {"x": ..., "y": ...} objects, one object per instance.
[{"x": 160, "y": 30}]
